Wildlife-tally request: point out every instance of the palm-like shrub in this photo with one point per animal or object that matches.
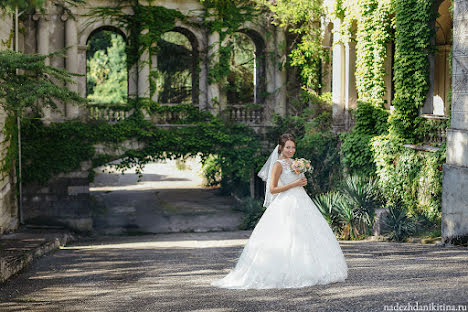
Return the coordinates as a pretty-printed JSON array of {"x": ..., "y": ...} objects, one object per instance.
[
  {"x": 350, "y": 211},
  {"x": 363, "y": 195},
  {"x": 399, "y": 224},
  {"x": 327, "y": 203},
  {"x": 350, "y": 221},
  {"x": 253, "y": 210}
]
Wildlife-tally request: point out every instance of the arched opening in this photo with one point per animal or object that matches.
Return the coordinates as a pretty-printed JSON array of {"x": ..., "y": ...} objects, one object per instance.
[
  {"x": 177, "y": 68},
  {"x": 246, "y": 80},
  {"x": 106, "y": 67},
  {"x": 442, "y": 74}
]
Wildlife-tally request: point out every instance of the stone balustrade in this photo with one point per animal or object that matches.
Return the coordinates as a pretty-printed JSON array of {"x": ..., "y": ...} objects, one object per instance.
[
  {"x": 244, "y": 114},
  {"x": 110, "y": 114},
  {"x": 438, "y": 134}
]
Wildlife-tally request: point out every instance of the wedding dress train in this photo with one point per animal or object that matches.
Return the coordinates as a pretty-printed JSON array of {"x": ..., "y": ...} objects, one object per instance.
[{"x": 292, "y": 245}]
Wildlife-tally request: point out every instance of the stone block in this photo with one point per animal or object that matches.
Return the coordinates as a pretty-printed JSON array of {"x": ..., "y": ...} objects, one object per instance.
[
  {"x": 80, "y": 189},
  {"x": 457, "y": 147},
  {"x": 454, "y": 202}
]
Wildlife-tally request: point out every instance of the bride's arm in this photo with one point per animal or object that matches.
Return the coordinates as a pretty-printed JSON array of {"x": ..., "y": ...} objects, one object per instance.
[{"x": 275, "y": 174}]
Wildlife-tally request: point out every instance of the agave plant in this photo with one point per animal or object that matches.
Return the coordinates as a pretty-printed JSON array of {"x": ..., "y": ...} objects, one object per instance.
[
  {"x": 363, "y": 195},
  {"x": 350, "y": 222},
  {"x": 327, "y": 203},
  {"x": 399, "y": 224}
]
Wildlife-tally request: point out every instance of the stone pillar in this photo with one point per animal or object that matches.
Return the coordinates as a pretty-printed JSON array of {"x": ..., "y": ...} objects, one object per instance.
[
  {"x": 213, "y": 93},
  {"x": 350, "y": 96},
  {"x": 280, "y": 75},
  {"x": 428, "y": 107},
  {"x": 43, "y": 42},
  {"x": 338, "y": 83},
  {"x": 154, "y": 66},
  {"x": 71, "y": 62},
  {"x": 203, "y": 75},
  {"x": 143, "y": 75},
  {"x": 455, "y": 171}
]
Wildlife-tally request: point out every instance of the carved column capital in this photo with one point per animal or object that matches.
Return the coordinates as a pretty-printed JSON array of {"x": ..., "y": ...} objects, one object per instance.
[{"x": 39, "y": 16}]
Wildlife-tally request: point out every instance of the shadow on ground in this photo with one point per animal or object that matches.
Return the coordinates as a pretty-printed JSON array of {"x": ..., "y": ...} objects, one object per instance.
[{"x": 173, "y": 272}]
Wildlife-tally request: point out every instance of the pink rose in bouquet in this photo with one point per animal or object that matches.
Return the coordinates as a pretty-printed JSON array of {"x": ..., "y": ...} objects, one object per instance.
[{"x": 301, "y": 165}]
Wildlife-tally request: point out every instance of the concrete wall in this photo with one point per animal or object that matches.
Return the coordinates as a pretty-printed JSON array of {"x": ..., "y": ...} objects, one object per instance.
[
  {"x": 455, "y": 183},
  {"x": 8, "y": 206}
]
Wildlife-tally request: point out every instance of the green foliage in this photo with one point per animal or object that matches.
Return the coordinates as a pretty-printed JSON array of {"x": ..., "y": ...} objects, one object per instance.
[
  {"x": 414, "y": 29},
  {"x": 240, "y": 84},
  {"x": 175, "y": 64},
  {"x": 302, "y": 19},
  {"x": 314, "y": 141},
  {"x": 399, "y": 224},
  {"x": 107, "y": 70},
  {"x": 226, "y": 18},
  {"x": 357, "y": 154},
  {"x": 62, "y": 147},
  {"x": 27, "y": 83},
  {"x": 146, "y": 25},
  {"x": 356, "y": 147},
  {"x": 33, "y": 4},
  {"x": 253, "y": 210},
  {"x": 322, "y": 149},
  {"x": 327, "y": 203},
  {"x": 409, "y": 177},
  {"x": 350, "y": 210},
  {"x": 370, "y": 24}
]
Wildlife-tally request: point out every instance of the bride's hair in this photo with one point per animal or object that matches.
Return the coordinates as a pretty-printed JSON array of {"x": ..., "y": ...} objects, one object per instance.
[{"x": 283, "y": 139}]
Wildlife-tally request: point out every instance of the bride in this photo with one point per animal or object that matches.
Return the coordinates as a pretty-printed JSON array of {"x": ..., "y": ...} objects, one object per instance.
[{"x": 292, "y": 245}]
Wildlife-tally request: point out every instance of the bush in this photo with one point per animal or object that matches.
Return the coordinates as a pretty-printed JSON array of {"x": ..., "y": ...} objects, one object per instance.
[
  {"x": 399, "y": 224},
  {"x": 322, "y": 149},
  {"x": 253, "y": 209},
  {"x": 326, "y": 204},
  {"x": 356, "y": 148},
  {"x": 350, "y": 210},
  {"x": 357, "y": 154}
]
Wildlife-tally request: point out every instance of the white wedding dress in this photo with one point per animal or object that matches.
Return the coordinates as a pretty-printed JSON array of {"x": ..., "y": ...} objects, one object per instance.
[{"x": 292, "y": 245}]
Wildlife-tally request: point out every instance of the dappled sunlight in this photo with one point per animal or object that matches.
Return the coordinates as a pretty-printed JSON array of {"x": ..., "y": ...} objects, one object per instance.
[
  {"x": 166, "y": 244},
  {"x": 173, "y": 272}
]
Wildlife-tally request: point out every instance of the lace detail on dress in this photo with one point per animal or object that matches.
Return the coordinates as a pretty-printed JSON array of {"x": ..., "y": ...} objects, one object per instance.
[{"x": 286, "y": 164}]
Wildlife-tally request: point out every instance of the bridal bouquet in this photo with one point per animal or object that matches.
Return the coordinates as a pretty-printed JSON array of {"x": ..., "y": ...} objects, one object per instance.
[{"x": 301, "y": 165}]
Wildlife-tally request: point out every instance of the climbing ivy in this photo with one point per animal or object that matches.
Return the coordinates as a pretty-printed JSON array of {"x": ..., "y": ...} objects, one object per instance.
[
  {"x": 414, "y": 22},
  {"x": 62, "y": 147},
  {"x": 302, "y": 19},
  {"x": 370, "y": 24}
]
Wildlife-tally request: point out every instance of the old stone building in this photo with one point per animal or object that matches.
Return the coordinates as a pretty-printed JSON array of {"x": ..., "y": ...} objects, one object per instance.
[{"x": 54, "y": 28}]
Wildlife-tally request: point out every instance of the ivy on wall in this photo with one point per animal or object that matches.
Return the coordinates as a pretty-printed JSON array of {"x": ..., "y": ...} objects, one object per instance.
[
  {"x": 409, "y": 177},
  {"x": 414, "y": 24},
  {"x": 370, "y": 24},
  {"x": 375, "y": 146},
  {"x": 62, "y": 147}
]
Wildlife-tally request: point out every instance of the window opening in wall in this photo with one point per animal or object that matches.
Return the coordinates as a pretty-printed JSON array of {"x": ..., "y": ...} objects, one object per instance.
[{"x": 106, "y": 68}]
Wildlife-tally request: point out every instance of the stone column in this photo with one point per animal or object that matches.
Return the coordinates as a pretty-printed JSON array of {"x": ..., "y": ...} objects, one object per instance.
[
  {"x": 350, "y": 96},
  {"x": 455, "y": 171},
  {"x": 203, "y": 75},
  {"x": 213, "y": 93},
  {"x": 280, "y": 74},
  {"x": 143, "y": 75},
  {"x": 71, "y": 62},
  {"x": 43, "y": 42},
  {"x": 428, "y": 107},
  {"x": 338, "y": 83}
]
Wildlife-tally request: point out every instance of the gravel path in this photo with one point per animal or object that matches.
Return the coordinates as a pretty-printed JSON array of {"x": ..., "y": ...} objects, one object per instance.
[{"x": 172, "y": 272}]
